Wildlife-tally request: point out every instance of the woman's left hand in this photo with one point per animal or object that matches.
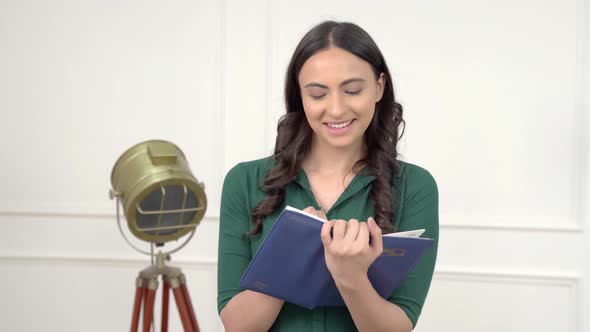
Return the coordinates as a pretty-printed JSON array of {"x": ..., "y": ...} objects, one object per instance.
[{"x": 348, "y": 252}]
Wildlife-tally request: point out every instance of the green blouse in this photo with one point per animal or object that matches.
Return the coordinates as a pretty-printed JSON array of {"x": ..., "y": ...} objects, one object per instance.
[{"x": 415, "y": 198}]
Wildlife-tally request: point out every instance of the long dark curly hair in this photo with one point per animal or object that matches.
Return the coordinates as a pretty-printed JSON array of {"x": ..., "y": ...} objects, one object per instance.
[{"x": 294, "y": 133}]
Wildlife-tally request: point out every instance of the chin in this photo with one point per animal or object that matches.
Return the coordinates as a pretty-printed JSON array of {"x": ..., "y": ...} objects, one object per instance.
[{"x": 341, "y": 143}]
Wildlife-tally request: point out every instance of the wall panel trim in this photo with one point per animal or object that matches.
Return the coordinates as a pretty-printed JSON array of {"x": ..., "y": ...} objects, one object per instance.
[
  {"x": 569, "y": 280},
  {"x": 123, "y": 261}
]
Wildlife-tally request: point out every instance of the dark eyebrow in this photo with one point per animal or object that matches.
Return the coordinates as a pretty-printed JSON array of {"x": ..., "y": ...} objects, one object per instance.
[
  {"x": 313, "y": 84},
  {"x": 352, "y": 80},
  {"x": 348, "y": 81}
]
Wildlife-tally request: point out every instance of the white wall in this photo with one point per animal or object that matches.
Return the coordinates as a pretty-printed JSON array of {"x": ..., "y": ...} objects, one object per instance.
[
  {"x": 80, "y": 82},
  {"x": 496, "y": 99}
]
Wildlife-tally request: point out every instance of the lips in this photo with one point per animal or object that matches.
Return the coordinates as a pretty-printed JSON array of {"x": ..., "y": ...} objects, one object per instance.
[
  {"x": 339, "y": 128},
  {"x": 339, "y": 125}
]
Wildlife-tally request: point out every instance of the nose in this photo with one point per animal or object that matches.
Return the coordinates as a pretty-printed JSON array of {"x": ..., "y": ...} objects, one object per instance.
[{"x": 336, "y": 106}]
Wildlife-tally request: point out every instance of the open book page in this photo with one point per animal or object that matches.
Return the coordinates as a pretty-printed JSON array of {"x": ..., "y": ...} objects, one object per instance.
[
  {"x": 413, "y": 233},
  {"x": 304, "y": 213}
]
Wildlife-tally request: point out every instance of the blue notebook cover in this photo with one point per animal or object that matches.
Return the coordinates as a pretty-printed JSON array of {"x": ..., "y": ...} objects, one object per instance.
[{"x": 290, "y": 263}]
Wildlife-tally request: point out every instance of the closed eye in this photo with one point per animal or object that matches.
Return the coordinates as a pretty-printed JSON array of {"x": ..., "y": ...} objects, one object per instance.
[
  {"x": 355, "y": 92},
  {"x": 317, "y": 97}
]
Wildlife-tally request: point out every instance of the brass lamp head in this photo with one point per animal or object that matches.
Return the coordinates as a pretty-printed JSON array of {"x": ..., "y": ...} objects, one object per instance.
[{"x": 161, "y": 199}]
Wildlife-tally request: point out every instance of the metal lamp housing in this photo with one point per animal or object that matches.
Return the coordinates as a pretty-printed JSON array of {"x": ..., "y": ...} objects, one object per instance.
[{"x": 161, "y": 199}]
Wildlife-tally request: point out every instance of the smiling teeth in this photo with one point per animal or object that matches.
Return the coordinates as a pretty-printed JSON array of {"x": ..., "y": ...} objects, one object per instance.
[{"x": 339, "y": 125}]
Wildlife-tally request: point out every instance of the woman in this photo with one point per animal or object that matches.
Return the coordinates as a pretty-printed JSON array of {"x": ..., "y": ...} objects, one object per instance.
[{"x": 335, "y": 156}]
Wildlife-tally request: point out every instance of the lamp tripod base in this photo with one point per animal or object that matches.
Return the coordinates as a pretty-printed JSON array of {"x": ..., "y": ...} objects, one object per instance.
[{"x": 145, "y": 293}]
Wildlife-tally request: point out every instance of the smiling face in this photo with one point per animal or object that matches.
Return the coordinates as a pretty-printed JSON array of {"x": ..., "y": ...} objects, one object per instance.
[{"x": 339, "y": 92}]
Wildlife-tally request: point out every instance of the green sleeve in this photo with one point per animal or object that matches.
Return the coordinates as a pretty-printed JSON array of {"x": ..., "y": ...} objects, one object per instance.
[
  {"x": 418, "y": 210},
  {"x": 234, "y": 253}
]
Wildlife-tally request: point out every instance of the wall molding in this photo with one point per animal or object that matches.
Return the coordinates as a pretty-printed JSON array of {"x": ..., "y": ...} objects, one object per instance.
[
  {"x": 568, "y": 280},
  {"x": 78, "y": 215},
  {"x": 562, "y": 225},
  {"x": 123, "y": 261},
  {"x": 581, "y": 189},
  {"x": 512, "y": 223},
  {"x": 571, "y": 281},
  {"x": 493, "y": 275}
]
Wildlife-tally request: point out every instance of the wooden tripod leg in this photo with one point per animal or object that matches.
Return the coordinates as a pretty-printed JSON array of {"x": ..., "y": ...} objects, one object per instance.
[
  {"x": 148, "y": 305},
  {"x": 181, "y": 303},
  {"x": 165, "y": 301},
  {"x": 139, "y": 293},
  {"x": 189, "y": 304}
]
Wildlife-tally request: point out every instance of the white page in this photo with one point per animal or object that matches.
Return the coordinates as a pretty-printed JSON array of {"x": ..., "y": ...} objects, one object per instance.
[
  {"x": 413, "y": 233},
  {"x": 305, "y": 213}
]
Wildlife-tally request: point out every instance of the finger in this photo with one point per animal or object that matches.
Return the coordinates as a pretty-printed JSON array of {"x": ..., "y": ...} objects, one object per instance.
[
  {"x": 376, "y": 239},
  {"x": 322, "y": 214},
  {"x": 363, "y": 237},
  {"x": 339, "y": 229},
  {"x": 326, "y": 232},
  {"x": 352, "y": 230},
  {"x": 311, "y": 210}
]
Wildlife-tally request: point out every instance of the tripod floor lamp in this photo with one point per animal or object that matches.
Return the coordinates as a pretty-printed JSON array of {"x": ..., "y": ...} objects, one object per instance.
[{"x": 162, "y": 201}]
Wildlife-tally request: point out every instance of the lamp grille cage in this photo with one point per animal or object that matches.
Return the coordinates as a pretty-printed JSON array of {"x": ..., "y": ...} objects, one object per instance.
[{"x": 161, "y": 199}]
